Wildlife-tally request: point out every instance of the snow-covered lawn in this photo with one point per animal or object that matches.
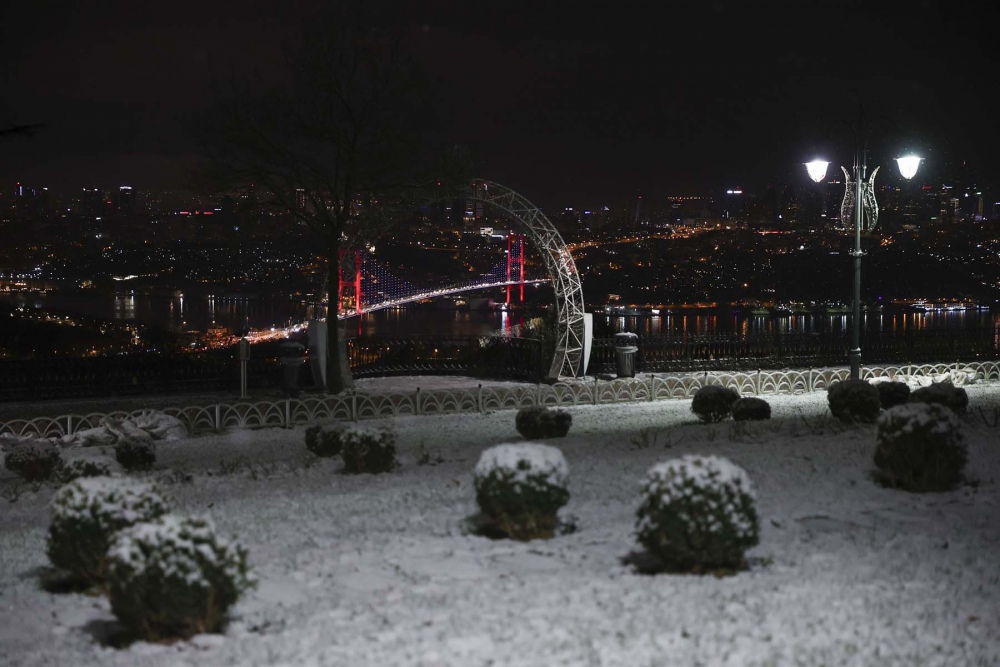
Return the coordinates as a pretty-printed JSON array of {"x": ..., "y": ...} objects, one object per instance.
[{"x": 379, "y": 570}]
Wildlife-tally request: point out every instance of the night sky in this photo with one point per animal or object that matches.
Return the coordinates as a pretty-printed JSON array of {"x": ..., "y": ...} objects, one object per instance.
[{"x": 568, "y": 107}]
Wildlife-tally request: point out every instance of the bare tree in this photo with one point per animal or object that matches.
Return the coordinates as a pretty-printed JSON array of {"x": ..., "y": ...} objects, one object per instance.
[
  {"x": 20, "y": 130},
  {"x": 346, "y": 129}
]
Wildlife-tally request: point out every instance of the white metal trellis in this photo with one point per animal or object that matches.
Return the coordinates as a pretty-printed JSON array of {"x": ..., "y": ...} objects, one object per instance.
[{"x": 559, "y": 264}]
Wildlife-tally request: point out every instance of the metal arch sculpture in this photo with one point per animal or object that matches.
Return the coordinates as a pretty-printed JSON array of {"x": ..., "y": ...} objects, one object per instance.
[{"x": 559, "y": 264}]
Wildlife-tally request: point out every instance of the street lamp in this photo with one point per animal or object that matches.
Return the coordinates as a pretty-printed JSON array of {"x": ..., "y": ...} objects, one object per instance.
[
  {"x": 864, "y": 197},
  {"x": 817, "y": 170}
]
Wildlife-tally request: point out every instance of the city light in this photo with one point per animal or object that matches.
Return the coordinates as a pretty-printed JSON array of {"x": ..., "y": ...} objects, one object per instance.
[
  {"x": 817, "y": 169},
  {"x": 908, "y": 166}
]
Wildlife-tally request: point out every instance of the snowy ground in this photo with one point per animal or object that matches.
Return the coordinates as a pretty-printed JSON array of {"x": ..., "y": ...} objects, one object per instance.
[{"x": 378, "y": 570}]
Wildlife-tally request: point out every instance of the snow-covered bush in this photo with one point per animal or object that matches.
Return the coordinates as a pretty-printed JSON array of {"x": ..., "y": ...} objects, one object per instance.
[
  {"x": 174, "y": 578},
  {"x": 78, "y": 468},
  {"x": 891, "y": 394},
  {"x": 86, "y": 515},
  {"x": 698, "y": 514},
  {"x": 536, "y": 423},
  {"x": 521, "y": 487},
  {"x": 714, "y": 403},
  {"x": 943, "y": 393},
  {"x": 147, "y": 425},
  {"x": 159, "y": 425},
  {"x": 33, "y": 460},
  {"x": 367, "y": 449},
  {"x": 854, "y": 401},
  {"x": 135, "y": 454},
  {"x": 751, "y": 409},
  {"x": 324, "y": 439},
  {"x": 921, "y": 447}
]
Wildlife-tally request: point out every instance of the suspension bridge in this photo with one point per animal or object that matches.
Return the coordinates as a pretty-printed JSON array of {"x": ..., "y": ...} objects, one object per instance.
[{"x": 374, "y": 287}]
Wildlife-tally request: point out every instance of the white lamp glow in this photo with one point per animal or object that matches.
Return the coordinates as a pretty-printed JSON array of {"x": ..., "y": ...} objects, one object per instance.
[
  {"x": 908, "y": 166},
  {"x": 817, "y": 169}
]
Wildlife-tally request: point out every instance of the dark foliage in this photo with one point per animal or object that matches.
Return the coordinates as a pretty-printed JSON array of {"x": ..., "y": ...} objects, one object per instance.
[
  {"x": 854, "y": 401},
  {"x": 751, "y": 409},
  {"x": 698, "y": 525},
  {"x": 185, "y": 583},
  {"x": 135, "y": 455},
  {"x": 921, "y": 448},
  {"x": 34, "y": 461},
  {"x": 324, "y": 439},
  {"x": 83, "y": 468},
  {"x": 714, "y": 403},
  {"x": 540, "y": 422},
  {"x": 520, "y": 510},
  {"x": 891, "y": 394},
  {"x": 368, "y": 450},
  {"x": 943, "y": 393}
]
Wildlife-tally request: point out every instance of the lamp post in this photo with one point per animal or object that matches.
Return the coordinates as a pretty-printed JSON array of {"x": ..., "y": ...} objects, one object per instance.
[{"x": 862, "y": 192}]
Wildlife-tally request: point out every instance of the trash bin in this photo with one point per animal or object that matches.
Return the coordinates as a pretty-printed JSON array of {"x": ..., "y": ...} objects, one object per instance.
[
  {"x": 625, "y": 352},
  {"x": 291, "y": 356}
]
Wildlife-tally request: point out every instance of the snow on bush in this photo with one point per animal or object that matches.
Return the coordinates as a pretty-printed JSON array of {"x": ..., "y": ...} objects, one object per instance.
[
  {"x": 33, "y": 460},
  {"x": 324, "y": 439},
  {"x": 98, "y": 436},
  {"x": 751, "y": 409},
  {"x": 367, "y": 449},
  {"x": 921, "y": 447},
  {"x": 943, "y": 393},
  {"x": 159, "y": 425},
  {"x": 953, "y": 376},
  {"x": 714, "y": 403},
  {"x": 86, "y": 515},
  {"x": 891, "y": 394},
  {"x": 135, "y": 456},
  {"x": 82, "y": 467},
  {"x": 536, "y": 423},
  {"x": 146, "y": 426},
  {"x": 175, "y": 578},
  {"x": 698, "y": 514},
  {"x": 854, "y": 401},
  {"x": 521, "y": 487}
]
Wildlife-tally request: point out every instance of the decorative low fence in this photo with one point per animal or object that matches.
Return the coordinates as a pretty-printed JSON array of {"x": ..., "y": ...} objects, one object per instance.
[
  {"x": 735, "y": 352},
  {"x": 362, "y": 405}
]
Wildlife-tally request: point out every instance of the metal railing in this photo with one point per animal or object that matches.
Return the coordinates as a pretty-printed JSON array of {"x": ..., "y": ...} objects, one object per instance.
[
  {"x": 139, "y": 374},
  {"x": 129, "y": 375},
  {"x": 356, "y": 405},
  {"x": 501, "y": 358},
  {"x": 489, "y": 357},
  {"x": 732, "y": 352}
]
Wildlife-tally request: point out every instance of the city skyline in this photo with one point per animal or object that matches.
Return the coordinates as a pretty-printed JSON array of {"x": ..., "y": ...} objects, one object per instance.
[{"x": 556, "y": 104}]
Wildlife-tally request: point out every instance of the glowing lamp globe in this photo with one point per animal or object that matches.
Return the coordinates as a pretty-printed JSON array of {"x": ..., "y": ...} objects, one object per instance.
[
  {"x": 908, "y": 166},
  {"x": 817, "y": 170}
]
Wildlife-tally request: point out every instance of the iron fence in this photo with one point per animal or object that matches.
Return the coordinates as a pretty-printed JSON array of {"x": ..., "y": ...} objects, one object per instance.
[
  {"x": 139, "y": 374},
  {"x": 733, "y": 352},
  {"x": 501, "y": 358},
  {"x": 129, "y": 375}
]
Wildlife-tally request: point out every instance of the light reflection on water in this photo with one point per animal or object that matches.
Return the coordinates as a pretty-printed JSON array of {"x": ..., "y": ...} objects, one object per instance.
[{"x": 202, "y": 312}]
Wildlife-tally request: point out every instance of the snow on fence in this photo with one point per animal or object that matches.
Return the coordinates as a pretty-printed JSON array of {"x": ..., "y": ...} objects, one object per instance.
[{"x": 356, "y": 405}]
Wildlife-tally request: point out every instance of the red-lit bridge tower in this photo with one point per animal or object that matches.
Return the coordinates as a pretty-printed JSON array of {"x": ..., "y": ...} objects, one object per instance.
[{"x": 515, "y": 262}]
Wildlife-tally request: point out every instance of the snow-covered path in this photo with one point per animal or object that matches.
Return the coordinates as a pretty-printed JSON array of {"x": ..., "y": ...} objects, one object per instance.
[{"x": 378, "y": 570}]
